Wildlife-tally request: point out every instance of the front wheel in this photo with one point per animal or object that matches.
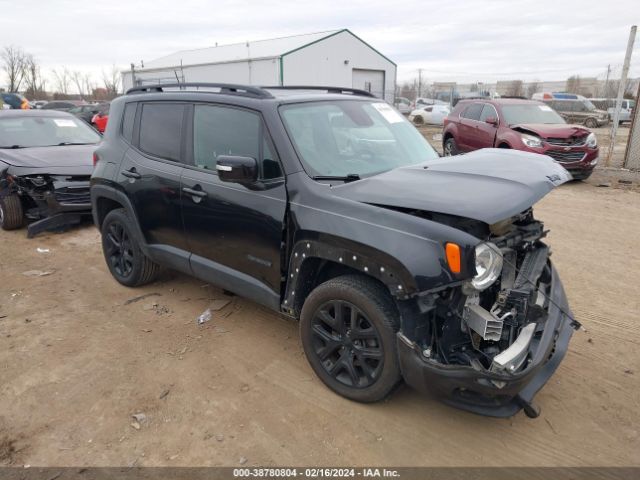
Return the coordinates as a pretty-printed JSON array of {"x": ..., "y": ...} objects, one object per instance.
[
  {"x": 126, "y": 262},
  {"x": 590, "y": 123},
  {"x": 347, "y": 328},
  {"x": 11, "y": 213},
  {"x": 418, "y": 120},
  {"x": 450, "y": 147}
]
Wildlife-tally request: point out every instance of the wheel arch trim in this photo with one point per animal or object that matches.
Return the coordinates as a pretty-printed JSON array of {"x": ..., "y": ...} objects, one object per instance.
[
  {"x": 376, "y": 264},
  {"x": 108, "y": 192}
]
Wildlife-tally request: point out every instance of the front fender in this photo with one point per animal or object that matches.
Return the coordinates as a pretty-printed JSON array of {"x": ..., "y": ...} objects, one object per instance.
[{"x": 369, "y": 261}]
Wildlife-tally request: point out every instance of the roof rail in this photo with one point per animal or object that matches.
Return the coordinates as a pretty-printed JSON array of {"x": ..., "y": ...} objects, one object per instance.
[
  {"x": 339, "y": 90},
  {"x": 224, "y": 88}
]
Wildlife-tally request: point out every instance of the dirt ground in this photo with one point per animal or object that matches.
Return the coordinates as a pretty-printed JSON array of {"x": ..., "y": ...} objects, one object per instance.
[{"x": 79, "y": 357}]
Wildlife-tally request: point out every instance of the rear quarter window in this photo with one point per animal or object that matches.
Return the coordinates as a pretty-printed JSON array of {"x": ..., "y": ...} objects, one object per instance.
[{"x": 128, "y": 118}]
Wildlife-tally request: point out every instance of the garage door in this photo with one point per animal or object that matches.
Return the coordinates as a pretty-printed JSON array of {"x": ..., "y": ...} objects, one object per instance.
[{"x": 369, "y": 80}]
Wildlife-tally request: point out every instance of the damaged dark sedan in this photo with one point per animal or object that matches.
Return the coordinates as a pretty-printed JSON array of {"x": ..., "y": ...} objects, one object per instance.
[{"x": 46, "y": 160}]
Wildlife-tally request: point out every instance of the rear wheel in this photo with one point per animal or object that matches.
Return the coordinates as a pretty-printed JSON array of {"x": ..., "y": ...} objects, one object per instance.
[
  {"x": 11, "y": 214},
  {"x": 450, "y": 147},
  {"x": 418, "y": 120},
  {"x": 590, "y": 123},
  {"x": 126, "y": 262},
  {"x": 347, "y": 328}
]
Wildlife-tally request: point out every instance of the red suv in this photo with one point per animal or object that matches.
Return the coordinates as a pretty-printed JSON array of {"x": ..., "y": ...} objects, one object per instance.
[{"x": 522, "y": 125}]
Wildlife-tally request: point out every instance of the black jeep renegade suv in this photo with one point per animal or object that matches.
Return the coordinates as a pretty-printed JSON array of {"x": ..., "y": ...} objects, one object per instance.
[{"x": 328, "y": 206}]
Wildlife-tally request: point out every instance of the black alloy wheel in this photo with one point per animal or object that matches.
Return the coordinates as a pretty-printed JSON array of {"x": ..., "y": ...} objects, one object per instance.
[
  {"x": 347, "y": 344},
  {"x": 119, "y": 251},
  {"x": 348, "y": 331},
  {"x": 126, "y": 261}
]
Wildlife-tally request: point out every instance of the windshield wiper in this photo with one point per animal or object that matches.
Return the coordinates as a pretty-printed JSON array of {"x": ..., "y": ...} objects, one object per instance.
[
  {"x": 11, "y": 146},
  {"x": 72, "y": 143},
  {"x": 350, "y": 177}
]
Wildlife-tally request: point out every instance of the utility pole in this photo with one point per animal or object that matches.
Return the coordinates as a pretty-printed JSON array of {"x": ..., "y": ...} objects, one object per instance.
[
  {"x": 133, "y": 75},
  {"x": 606, "y": 82},
  {"x": 419, "y": 94},
  {"x": 621, "y": 88}
]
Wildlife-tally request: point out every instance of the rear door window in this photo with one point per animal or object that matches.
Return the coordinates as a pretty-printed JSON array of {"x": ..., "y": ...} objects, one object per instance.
[{"x": 161, "y": 130}]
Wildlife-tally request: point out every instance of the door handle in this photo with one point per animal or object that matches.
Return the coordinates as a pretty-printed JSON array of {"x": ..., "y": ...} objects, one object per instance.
[
  {"x": 195, "y": 193},
  {"x": 131, "y": 173}
]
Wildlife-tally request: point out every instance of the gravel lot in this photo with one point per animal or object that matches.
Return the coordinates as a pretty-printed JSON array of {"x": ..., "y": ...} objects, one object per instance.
[{"x": 79, "y": 356}]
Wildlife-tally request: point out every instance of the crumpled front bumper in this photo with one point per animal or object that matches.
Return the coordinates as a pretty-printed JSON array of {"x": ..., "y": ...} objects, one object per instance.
[{"x": 472, "y": 390}]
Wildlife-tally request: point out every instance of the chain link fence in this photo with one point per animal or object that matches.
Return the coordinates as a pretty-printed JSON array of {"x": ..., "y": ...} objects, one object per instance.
[{"x": 632, "y": 153}]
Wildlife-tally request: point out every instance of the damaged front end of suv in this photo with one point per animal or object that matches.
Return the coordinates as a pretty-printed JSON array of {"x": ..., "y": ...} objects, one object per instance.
[
  {"x": 491, "y": 342},
  {"x": 486, "y": 321}
]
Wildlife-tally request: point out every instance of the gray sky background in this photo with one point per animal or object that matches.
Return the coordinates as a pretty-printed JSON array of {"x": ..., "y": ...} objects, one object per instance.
[{"x": 460, "y": 40}]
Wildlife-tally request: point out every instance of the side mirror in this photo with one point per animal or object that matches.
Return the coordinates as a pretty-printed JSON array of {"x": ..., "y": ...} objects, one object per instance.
[
  {"x": 491, "y": 121},
  {"x": 235, "y": 169}
]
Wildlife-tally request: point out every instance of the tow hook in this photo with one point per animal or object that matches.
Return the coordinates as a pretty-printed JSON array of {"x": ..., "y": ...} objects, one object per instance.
[{"x": 530, "y": 409}]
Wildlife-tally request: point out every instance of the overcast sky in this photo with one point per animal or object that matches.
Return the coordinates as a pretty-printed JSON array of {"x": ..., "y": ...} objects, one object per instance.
[{"x": 451, "y": 40}]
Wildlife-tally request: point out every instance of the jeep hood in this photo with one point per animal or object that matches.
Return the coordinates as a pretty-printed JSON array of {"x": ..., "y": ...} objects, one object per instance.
[
  {"x": 556, "y": 130},
  {"x": 487, "y": 185}
]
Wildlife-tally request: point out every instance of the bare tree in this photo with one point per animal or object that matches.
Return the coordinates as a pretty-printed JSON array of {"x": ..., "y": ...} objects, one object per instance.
[
  {"x": 573, "y": 84},
  {"x": 514, "y": 89},
  {"x": 612, "y": 89},
  {"x": 62, "y": 79},
  {"x": 533, "y": 87},
  {"x": 83, "y": 83},
  {"x": 409, "y": 89},
  {"x": 13, "y": 64},
  {"x": 35, "y": 84},
  {"x": 111, "y": 81}
]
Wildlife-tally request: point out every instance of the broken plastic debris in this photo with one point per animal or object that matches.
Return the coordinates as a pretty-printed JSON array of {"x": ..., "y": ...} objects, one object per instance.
[
  {"x": 37, "y": 273},
  {"x": 139, "y": 417},
  {"x": 42, "y": 250},
  {"x": 204, "y": 316}
]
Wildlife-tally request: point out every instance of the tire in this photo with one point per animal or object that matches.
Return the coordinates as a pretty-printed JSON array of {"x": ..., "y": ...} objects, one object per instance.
[
  {"x": 418, "y": 120},
  {"x": 358, "y": 359},
  {"x": 450, "y": 147},
  {"x": 11, "y": 214},
  {"x": 126, "y": 262},
  {"x": 590, "y": 123}
]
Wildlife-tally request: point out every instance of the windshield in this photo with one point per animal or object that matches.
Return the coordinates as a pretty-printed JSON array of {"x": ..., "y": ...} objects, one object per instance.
[
  {"x": 515, "y": 114},
  {"x": 30, "y": 131},
  {"x": 339, "y": 138}
]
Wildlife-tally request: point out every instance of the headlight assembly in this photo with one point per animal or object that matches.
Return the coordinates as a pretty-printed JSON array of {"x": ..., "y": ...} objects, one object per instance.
[
  {"x": 488, "y": 265},
  {"x": 531, "y": 141},
  {"x": 592, "y": 141}
]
